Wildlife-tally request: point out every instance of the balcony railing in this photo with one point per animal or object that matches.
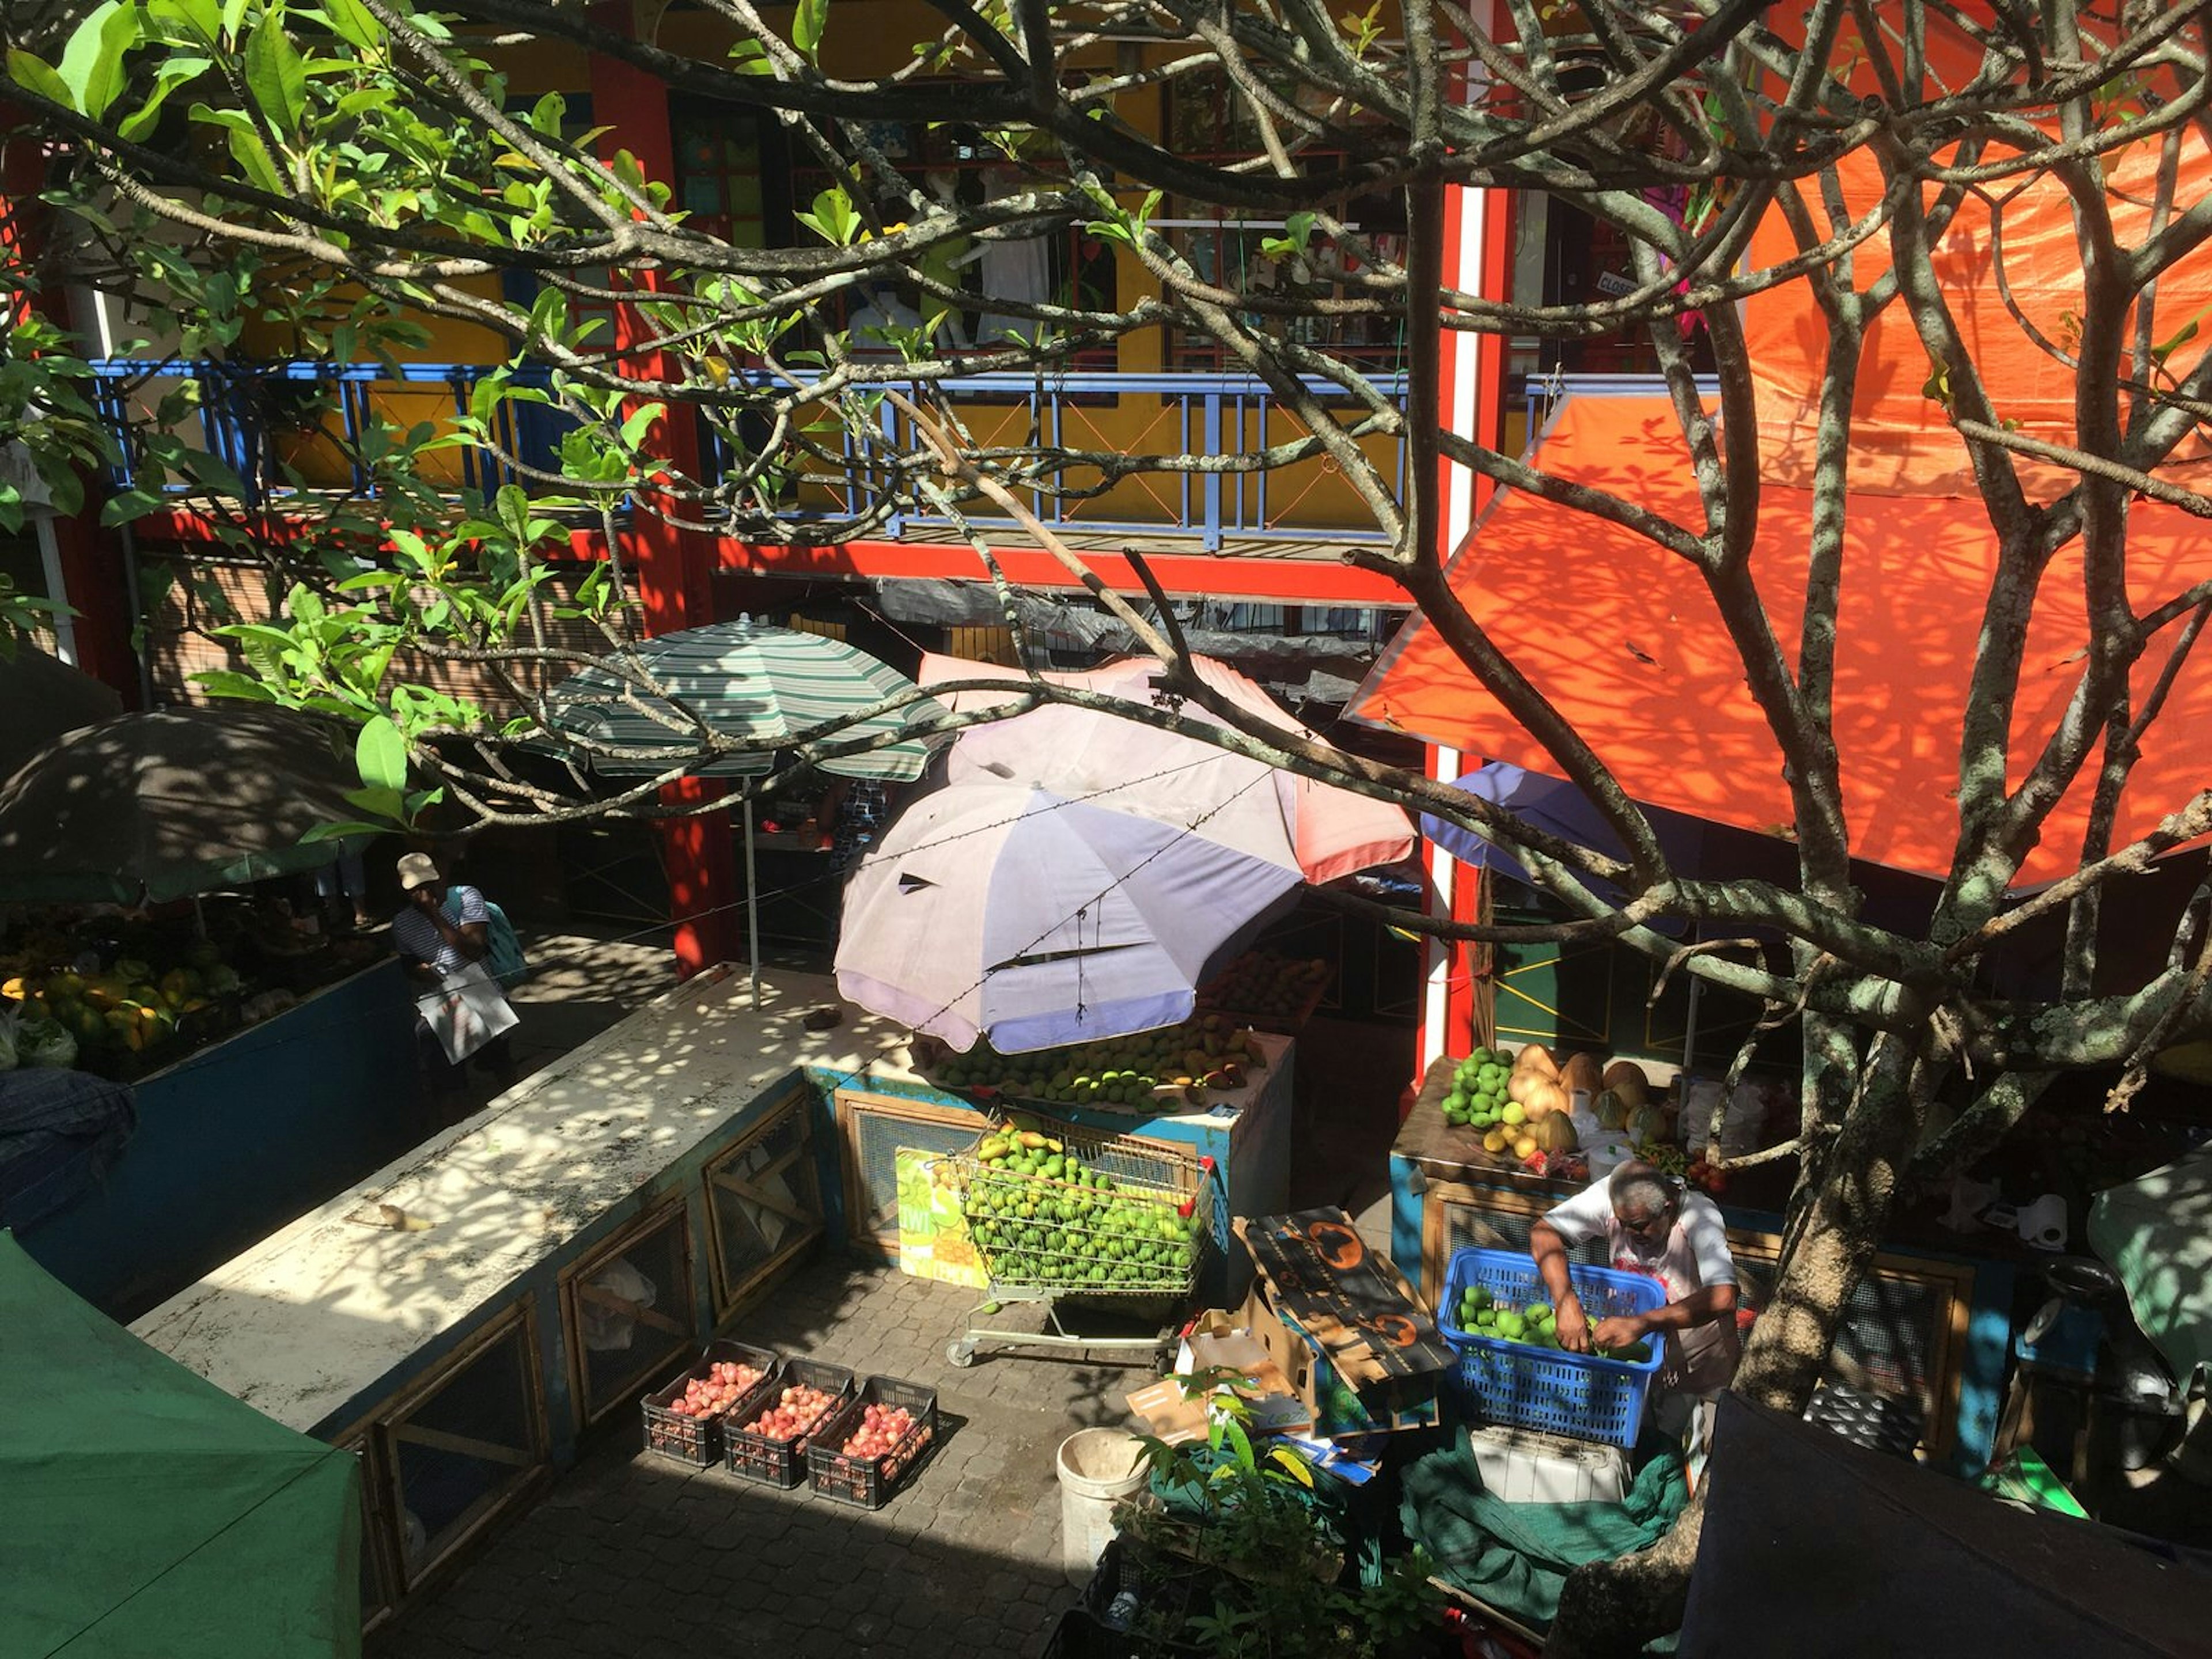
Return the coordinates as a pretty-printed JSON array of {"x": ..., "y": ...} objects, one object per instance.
[{"x": 247, "y": 413}]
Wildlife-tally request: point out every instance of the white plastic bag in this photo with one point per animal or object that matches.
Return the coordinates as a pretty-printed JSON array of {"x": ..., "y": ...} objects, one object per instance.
[{"x": 466, "y": 1011}]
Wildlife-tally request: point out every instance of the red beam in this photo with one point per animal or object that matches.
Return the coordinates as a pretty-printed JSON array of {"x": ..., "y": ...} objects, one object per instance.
[{"x": 1284, "y": 580}]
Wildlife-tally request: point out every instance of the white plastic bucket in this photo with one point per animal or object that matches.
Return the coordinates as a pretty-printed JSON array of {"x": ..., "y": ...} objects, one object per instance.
[{"x": 1097, "y": 1468}]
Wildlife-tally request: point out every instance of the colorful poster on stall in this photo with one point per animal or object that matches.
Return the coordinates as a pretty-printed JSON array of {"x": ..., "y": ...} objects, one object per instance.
[{"x": 932, "y": 1235}]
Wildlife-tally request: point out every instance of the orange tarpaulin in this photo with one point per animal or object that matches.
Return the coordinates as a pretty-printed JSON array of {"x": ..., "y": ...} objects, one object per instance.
[
  {"x": 2015, "y": 237},
  {"x": 1622, "y": 638}
]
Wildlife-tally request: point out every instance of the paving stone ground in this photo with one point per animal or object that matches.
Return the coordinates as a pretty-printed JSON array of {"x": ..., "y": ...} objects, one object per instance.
[{"x": 630, "y": 1554}]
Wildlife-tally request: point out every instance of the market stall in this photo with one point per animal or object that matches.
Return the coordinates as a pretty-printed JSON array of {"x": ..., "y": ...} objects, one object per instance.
[{"x": 1930, "y": 1329}]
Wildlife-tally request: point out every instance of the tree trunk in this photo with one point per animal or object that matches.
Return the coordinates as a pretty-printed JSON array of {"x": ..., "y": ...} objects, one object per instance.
[{"x": 1614, "y": 1608}]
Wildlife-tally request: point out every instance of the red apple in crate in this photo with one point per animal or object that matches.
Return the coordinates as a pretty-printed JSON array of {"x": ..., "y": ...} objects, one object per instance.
[{"x": 796, "y": 1410}]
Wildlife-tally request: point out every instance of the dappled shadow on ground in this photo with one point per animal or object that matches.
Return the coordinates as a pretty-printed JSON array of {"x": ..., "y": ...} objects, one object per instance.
[{"x": 632, "y": 1554}]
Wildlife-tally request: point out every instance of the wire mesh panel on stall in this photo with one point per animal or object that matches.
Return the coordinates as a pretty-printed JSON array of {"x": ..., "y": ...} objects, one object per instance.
[
  {"x": 763, "y": 1202},
  {"x": 468, "y": 1445},
  {"x": 627, "y": 1309},
  {"x": 873, "y": 1128}
]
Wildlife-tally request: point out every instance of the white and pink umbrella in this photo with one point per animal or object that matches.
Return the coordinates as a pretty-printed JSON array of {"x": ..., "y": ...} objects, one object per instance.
[
  {"x": 1334, "y": 831},
  {"x": 1020, "y": 914}
]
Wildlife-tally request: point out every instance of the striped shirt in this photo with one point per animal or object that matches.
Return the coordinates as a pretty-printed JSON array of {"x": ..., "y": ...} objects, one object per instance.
[{"x": 415, "y": 937}]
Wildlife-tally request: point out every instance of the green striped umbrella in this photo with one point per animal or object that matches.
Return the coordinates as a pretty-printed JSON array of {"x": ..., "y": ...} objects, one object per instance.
[{"x": 744, "y": 679}]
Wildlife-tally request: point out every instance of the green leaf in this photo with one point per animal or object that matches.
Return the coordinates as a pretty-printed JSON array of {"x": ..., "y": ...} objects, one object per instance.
[
  {"x": 201, "y": 17},
  {"x": 275, "y": 77},
  {"x": 130, "y": 504},
  {"x": 234, "y": 17},
  {"x": 807, "y": 25},
  {"x": 35, "y": 75},
  {"x": 380, "y": 754},
  {"x": 250, "y": 154},
  {"x": 352, "y": 22},
  {"x": 641, "y": 422},
  {"x": 173, "y": 74},
  {"x": 92, "y": 63},
  {"x": 229, "y": 682}
]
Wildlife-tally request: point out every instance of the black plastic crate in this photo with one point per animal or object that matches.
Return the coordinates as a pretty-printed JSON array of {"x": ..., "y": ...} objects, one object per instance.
[
  {"x": 697, "y": 1440},
  {"x": 1165, "y": 1591},
  {"x": 781, "y": 1463},
  {"x": 869, "y": 1481}
]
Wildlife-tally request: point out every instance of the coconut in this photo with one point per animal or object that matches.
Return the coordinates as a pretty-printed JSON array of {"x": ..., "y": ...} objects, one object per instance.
[
  {"x": 1538, "y": 1058},
  {"x": 1580, "y": 1071},
  {"x": 1626, "y": 1078},
  {"x": 1554, "y": 1133},
  {"x": 1610, "y": 1109},
  {"x": 1648, "y": 1124},
  {"x": 1544, "y": 1098},
  {"x": 1519, "y": 1085}
]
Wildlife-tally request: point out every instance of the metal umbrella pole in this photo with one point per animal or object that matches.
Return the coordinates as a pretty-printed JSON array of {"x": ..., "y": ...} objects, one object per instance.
[{"x": 752, "y": 901}]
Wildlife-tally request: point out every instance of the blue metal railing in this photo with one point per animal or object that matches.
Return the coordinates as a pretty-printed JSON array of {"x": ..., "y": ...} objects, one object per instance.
[
  {"x": 242, "y": 410},
  {"x": 244, "y": 405}
]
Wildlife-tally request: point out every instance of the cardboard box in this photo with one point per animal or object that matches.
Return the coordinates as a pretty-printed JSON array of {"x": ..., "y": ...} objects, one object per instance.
[
  {"x": 1355, "y": 1340},
  {"x": 1219, "y": 1342}
]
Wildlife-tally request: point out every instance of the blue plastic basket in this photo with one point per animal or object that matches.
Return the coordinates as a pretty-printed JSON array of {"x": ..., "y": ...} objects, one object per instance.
[{"x": 1514, "y": 1385}]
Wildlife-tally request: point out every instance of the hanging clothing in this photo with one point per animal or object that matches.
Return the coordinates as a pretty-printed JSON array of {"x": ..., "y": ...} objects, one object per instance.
[{"x": 1019, "y": 270}]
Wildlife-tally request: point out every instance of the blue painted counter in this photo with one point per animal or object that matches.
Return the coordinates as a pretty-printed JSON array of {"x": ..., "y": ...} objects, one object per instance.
[{"x": 236, "y": 1139}]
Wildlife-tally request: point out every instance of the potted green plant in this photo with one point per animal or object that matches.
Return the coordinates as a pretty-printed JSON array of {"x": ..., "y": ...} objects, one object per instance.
[{"x": 1242, "y": 1545}]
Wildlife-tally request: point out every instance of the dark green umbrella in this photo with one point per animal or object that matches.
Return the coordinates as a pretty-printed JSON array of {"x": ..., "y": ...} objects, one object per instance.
[
  {"x": 41, "y": 698},
  {"x": 148, "y": 1512},
  {"x": 152, "y": 808}
]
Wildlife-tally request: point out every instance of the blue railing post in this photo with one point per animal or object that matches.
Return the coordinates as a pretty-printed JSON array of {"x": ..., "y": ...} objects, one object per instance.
[
  {"x": 887, "y": 418},
  {"x": 1210, "y": 519}
]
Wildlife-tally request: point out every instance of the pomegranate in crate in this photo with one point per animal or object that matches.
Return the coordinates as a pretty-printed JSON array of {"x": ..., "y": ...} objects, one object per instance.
[
  {"x": 726, "y": 1383},
  {"x": 880, "y": 1429},
  {"x": 796, "y": 1410}
]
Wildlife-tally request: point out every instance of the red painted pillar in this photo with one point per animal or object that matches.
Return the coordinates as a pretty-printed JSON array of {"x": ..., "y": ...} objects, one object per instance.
[
  {"x": 93, "y": 568},
  {"x": 674, "y": 567}
]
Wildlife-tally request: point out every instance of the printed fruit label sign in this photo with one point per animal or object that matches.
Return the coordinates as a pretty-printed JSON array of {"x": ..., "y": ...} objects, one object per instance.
[{"x": 932, "y": 1236}]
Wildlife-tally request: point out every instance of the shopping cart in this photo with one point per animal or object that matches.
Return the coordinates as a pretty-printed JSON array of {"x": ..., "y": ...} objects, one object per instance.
[{"x": 1062, "y": 1214}]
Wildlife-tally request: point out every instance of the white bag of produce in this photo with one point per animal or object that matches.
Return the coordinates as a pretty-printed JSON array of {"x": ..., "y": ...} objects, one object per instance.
[
  {"x": 46, "y": 1042},
  {"x": 1741, "y": 1124}
]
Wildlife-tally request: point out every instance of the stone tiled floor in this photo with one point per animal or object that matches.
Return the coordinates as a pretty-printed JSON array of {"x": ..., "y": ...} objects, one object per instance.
[{"x": 631, "y": 1554}]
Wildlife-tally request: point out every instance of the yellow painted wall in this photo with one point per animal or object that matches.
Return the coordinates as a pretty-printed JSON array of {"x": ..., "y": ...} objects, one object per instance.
[{"x": 869, "y": 37}]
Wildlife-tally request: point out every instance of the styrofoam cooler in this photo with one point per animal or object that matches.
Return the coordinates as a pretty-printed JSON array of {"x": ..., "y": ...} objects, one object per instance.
[{"x": 1523, "y": 1467}]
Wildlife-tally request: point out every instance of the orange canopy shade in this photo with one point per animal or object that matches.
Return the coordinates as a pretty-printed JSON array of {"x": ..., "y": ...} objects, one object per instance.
[{"x": 1623, "y": 639}]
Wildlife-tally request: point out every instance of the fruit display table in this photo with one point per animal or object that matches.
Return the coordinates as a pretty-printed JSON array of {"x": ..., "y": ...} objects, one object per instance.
[
  {"x": 1931, "y": 1323},
  {"x": 1244, "y": 1128},
  {"x": 238, "y": 1136}
]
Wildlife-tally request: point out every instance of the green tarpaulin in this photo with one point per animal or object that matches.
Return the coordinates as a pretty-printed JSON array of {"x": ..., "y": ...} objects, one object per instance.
[
  {"x": 144, "y": 1512},
  {"x": 1515, "y": 1557},
  {"x": 2157, "y": 1234}
]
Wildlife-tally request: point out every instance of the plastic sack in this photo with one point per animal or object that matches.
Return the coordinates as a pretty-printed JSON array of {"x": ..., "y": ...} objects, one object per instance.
[{"x": 46, "y": 1042}]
